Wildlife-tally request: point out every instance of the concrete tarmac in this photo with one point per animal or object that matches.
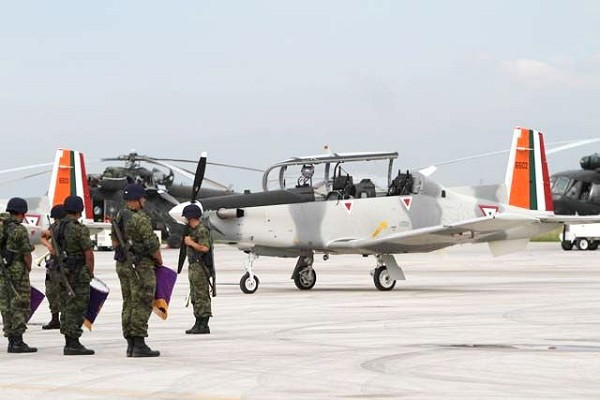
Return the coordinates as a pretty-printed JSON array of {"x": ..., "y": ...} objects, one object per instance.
[{"x": 464, "y": 325}]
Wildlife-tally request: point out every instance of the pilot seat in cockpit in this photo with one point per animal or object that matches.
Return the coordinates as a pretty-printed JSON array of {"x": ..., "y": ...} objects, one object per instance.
[{"x": 402, "y": 185}]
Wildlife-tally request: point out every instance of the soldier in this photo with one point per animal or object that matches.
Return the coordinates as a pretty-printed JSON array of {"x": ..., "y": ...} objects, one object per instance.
[
  {"x": 198, "y": 245},
  {"x": 52, "y": 276},
  {"x": 73, "y": 238},
  {"x": 135, "y": 268},
  {"x": 15, "y": 267}
]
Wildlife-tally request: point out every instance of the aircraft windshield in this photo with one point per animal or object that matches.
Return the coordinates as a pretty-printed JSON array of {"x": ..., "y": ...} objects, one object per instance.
[{"x": 559, "y": 185}]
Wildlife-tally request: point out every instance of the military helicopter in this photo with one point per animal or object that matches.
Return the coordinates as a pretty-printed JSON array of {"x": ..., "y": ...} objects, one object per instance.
[
  {"x": 578, "y": 191},
  {"x": 162, "y": 191}
]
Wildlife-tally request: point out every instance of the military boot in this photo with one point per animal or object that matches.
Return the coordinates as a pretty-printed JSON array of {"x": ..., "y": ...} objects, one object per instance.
[
  {"x": 11, "y": 340},
  {"x": 129, "y": 345},
  {"x": 141, "y": 349},
  {"x": 54, "y": 322},
  {"x": 74, "y": 348},
  {"x": 194, "y": 329},
  {"x": 200, "y": 327},
  {"x": 19, "y": 346}
]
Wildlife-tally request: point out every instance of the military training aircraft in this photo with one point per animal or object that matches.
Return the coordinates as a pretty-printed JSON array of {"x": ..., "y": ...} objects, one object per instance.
[{"x": 414, "y": 214}]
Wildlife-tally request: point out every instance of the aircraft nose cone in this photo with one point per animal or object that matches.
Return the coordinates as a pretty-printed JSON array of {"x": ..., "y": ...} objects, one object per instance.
[{"x": 176, "y": 211}]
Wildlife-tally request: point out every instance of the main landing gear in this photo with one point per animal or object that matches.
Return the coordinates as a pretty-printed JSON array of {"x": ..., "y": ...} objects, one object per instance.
[
  {"x": 249, "y": 282},
  {"x": 386, "y": 273},
  {"x": 304, "y": 275}
]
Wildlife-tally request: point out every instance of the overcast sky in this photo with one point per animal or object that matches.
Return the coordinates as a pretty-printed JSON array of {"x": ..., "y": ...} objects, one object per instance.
[{"x": 255, "y": 82}]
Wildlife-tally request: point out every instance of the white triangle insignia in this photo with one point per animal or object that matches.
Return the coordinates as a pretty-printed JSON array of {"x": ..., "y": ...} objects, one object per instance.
[
  {"x": 406, "y": 201},
  {"x": 488, "y": 211}
]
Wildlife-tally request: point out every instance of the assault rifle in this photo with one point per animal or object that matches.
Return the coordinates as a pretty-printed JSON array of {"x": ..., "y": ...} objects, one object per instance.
[
  {"x": 60, "y": 257},
  {"x": 125, "y": 248}
]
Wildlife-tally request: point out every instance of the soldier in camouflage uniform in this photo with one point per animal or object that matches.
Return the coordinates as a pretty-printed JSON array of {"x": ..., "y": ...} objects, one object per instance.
[
  {"x": 73, "y": 238},
  {"x": 198, "y": 244},
  {"x": 135, "y": 268},
  {"x": 14, "y": 275},
  {"x": 52, "y": 275}
]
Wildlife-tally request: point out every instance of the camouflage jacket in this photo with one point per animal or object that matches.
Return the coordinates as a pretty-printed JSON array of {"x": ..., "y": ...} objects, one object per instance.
[
  {"x": 14, "y": 238},
  {"x": 73, "y": 237},
  {"x": 200, "y": 235},
  {"x": 137, "y": 229}
]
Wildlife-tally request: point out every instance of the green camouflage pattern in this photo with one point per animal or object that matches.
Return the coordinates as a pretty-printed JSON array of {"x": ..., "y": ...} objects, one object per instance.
[
  {"x": 72, "y": 311},
  {"x": 76, "y": 239},
  {"x": 53, "y": 290},
  {"x": 198, "y": 275},
  {"x": 52, "y": 282},
  {"x": 137, "y": 229},
  {"x": 15, "y": 308},
  {"x": 138, "y": 294}
]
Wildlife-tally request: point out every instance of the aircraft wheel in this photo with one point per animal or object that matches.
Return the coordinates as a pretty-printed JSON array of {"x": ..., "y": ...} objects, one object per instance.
[
  {"x": 249, "y": 284},
  {"x": 566, "y": 245},
  {"x": 305, "y": 278},
  {"x": 583, "y": 244},
  {"x": 382, "y": 279},
  {"x": 594, "y": 245}
]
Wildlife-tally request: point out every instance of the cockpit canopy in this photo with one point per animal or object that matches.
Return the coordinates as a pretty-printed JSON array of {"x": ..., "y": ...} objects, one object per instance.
[{"x": 329, "y": 176}]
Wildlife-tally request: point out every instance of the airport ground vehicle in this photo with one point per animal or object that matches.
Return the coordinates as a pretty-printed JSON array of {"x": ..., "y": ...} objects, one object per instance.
[{"x": 582, "y": 236}]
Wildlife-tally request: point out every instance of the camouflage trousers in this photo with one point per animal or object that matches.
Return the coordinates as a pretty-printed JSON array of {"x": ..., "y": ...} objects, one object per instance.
[
  {"x": 199, "y": 290},
  {"x": 15, "y": 307},
  {"x": 53, "y": 290},
  {"x": 72, "y": 310},
  {"x": 138, "y": 295}
]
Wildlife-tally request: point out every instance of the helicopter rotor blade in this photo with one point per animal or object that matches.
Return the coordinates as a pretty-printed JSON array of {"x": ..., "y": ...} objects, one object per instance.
[
  {"x": 565, "y": 145},
  {"x": 25, "y": 168},
  {"x": 22, "y": 178},
  {"x": 211, "y": 163}
]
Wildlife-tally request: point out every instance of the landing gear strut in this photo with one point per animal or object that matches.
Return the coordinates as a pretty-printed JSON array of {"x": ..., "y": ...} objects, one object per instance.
[
  {"x": 304, "y": 275},
  {"x": 387, "y": 272},
  {"x": 249, "y": 282}
]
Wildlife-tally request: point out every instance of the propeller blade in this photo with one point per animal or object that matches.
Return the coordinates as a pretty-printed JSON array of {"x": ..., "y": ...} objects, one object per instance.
[{"x": 198, "y": 178}]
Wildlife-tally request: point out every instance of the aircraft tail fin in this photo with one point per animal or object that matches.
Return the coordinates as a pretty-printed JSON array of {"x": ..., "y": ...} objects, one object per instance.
[
  {"x": 69, "y": 178},
  {"x": 527, "y": 179}
]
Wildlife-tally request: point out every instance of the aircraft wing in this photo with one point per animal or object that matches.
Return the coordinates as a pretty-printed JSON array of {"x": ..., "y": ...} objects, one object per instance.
[
  {"x": 96, "y": 227},
  {"x": 439, "y": 236}
]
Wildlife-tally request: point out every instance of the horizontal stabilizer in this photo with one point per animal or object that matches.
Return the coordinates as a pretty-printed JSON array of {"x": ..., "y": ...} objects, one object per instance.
[{"x": 571, "y": 219}]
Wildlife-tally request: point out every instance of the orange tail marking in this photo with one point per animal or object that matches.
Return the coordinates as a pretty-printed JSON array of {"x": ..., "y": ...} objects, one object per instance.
[
  {"x": 63, "y": 179},
  {"x": 519, "y": 195}
]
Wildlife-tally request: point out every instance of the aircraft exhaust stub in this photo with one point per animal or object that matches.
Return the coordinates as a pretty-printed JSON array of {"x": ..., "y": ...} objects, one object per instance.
[{"x": 229, "y": 213}]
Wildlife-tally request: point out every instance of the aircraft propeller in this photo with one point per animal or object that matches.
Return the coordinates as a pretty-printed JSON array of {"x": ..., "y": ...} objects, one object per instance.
[{"x": 198, "y": 178}]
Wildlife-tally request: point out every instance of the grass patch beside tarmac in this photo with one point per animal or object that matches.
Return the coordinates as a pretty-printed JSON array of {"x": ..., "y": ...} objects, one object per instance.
[{"x": 552, "y": 236}]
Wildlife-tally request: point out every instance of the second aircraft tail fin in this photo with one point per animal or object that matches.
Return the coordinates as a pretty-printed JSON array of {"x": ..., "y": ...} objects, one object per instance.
[
  {"x": 527, "y": 179},
  {"x": 69, "y": 178}
]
